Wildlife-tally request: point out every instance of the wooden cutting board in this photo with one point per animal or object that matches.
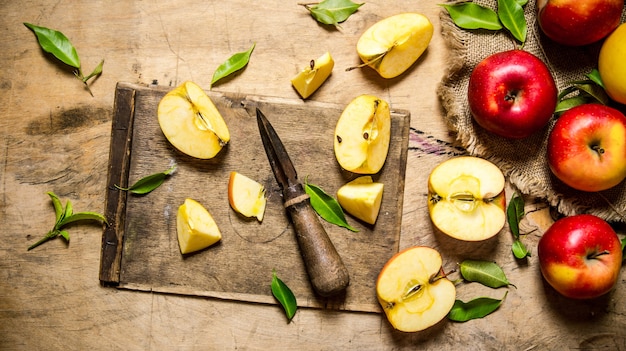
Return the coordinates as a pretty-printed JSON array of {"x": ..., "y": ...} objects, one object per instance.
[{"x": 140, "y": 248}]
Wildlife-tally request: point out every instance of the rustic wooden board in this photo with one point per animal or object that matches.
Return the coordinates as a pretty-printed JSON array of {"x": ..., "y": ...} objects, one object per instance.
[{"x": 140, "y": 249}]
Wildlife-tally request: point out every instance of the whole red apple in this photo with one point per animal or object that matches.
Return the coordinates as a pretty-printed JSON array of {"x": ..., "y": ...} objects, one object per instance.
[
  {"x": 587, "y": 147},
  {"x": 512, "y": 94},
  {"x": 578, "y": 22},
  {"x": 580, "y": 256}
]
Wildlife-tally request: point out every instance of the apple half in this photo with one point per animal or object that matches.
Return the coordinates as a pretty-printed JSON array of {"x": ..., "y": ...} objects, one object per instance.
[
  {"x": 362, "y": 135},
  {"x": 195, "y": 226},
  {"x": 393, "y": 44},
  {"x": 413, "y": 291},
  {"x": 191, "y": 122},
  {"x": 246, "y": 196},
  {"x": 311, "y": 77},
  {"x": 466, "y": 198},
  {"x": 361, "y": 198}
]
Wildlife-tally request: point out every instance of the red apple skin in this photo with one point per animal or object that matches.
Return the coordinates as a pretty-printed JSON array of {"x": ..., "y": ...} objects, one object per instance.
[
  {"x": 587, "y": 147},
  {"x": 512, "y": 94},
  {"x": 578, "y": 22},
  {"x": 565, "y": 256}
]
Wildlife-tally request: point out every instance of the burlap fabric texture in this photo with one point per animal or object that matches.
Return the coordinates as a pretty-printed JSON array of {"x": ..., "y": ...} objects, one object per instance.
[{"x": 524, "y": 161}]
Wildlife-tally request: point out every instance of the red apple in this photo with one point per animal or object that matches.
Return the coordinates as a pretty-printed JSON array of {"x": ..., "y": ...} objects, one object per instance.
[
  {"x": 578, "y": 22},
  {"x": 587, "y": 147},
  {"x": 580, "y": 256},
  {"x": 512, "y": 94}
]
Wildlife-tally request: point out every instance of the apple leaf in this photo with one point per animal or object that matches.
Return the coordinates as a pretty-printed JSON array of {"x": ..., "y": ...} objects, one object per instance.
[
  {"x": 515, "y": 213},
  {"x": 469, "y": 15},
  {"x": 589, "y": 90},
  {"x": 519, "y": 250},
  {"x": 149, "y": 183},
  {"x": 595, "y": 77},
  {"x": 624, "y": 248},
  {"x": 232, "y": 65},
  {"x": 332, "y": 12},
  {"x": 284, "y": 295},
  {"x": 327, "y": 207},
  {"x": 474, "y": 309},
  {"x": 484, "y": 272},
  {"x": 511, "y": 14}
]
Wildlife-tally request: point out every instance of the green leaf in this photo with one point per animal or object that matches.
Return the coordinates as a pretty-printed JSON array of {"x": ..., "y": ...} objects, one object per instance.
[
  {"x": 65, "y": 235},
  {"x": 519, "y": 250},
  {"x": 149, "y": 183},
  {"x": 568, "y": 103},
  {"x": 595, "y": 77},
  {"x": 57, "y": 44},
  {"x": 69, "y": 210},
  {"x": 332, "y": 11},
  {"x": 484, "y": 272},
  {"x": 233, "y": 64},
  {"x": 624, "y": 248},
  {"x": 327, "y": 207},
  {"x": 96, "y": 71},
  {"x": 474, "y": 309},
  {"x": 469, "y": 15},
  {"x": 58, "y": 206},
  {"x": 284, "y": 295},
  {"x": 81, "y": 216},
  {"x": 515, "y": 213},
  {"x": 511, "y": 14},
  {"x": 592, "y": 90}
]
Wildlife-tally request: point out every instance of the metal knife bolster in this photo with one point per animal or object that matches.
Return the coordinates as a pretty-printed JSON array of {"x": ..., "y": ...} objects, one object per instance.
[{"x": 327, "y": 272}]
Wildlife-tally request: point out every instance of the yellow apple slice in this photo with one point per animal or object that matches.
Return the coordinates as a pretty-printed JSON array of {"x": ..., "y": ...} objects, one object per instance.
[
  {"x": 413, "y": 291},
  {"x": 393, "y": 44},
  {"x": 196, "y": 228},
  {"x": 191, "y": 122},
  {"x": 246, "y": 196},
  {"x": 362, "y": 135},
  {"x": 466, "y": 198},
  {"x": 361, "y": 198},
  {"x": 311, "y": 78}
]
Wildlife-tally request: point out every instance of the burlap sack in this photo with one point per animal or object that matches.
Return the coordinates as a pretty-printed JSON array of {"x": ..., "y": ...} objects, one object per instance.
[{"x": 523, "y": 161}]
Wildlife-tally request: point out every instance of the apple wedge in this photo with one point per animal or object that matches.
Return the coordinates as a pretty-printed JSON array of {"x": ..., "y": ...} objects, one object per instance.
[
  {"x": 362, "y": 135},
  {"x": 466, "y": 198},
  {"x": 196, "y": 228},
  {"x": 246, "y": 196},
  {"x": 191, "y": 122},
  {"x": 311, "y": 78},
  {"x": 393, "y": 44},
  {"x": 361, "y": 198},
  {"x": 413, "y": 291}
]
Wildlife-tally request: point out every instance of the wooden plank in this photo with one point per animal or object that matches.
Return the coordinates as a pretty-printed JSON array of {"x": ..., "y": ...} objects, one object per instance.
[{"x": 240, "y": 266}]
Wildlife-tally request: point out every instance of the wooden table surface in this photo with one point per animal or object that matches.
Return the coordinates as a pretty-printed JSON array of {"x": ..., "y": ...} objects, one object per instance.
[{"x": 55, "y": 137}]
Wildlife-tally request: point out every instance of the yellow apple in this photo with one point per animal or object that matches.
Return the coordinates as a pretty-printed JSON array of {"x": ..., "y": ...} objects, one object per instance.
[
  {"x": 362, "y": 135},
  {"x": 308, "y": 80},
  {"x": 393, "y": 44},
  {"x": 191, "y": 122},
  {"x": 246, "y": 196},
  {"x": 413, "y": 291},
  {"x": 466, "y": 198},
  {"x": 611, "y": 64},
  {"x": 361, "y": 198},
  {"x": 196, "y": 228}
]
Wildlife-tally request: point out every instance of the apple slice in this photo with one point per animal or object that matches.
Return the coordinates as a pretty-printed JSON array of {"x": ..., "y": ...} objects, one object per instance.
[
  {"x": 393, "y": 44},
  {"x": 246, "y": 196},
  {"x": 195, "y": 227},
  {"x": 191, "y": 122},
  {"x": 312, "y": 77},
  {"x": 362, "y": 135},
  {"x": 361, "y": 198},
  {"x": 413, "y": 291},
  {"x": 466, "y": 198}
]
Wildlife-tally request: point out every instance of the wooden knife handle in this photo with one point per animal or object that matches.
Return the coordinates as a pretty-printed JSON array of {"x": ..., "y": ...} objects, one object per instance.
[{"x": 326, "y": 270}]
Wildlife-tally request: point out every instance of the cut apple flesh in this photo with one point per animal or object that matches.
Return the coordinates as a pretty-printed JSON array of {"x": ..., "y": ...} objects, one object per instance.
[
  {"x": 191, "y": 122},
  {"x": 393, "y": 44},
  {"x": 246, "y": 196},
  {"x": 362, "y": 135},
  {"x": 195, "y": 226},
  {"x": 411, "y": 291},
  {"x": 312, "y": 77},
  {"x": 466, "y": 198},
  {"x": 361, "y": 198}
]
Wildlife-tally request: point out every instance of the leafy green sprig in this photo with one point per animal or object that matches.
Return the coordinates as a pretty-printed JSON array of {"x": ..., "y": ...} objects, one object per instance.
[
  {"x": 332, "y": 12},
  {"x": 515, "y": 213}
]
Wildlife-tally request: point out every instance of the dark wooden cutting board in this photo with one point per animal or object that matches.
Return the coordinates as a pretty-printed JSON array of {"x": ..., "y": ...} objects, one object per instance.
[{"x": 140, "y": 248}]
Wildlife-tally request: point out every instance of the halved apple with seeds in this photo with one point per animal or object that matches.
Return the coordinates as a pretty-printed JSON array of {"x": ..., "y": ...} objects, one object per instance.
[
  {"x": 191, "y": 122},
  {"x": 413, "y": 290},
  {"x": 362, "y": 135},
  {"x": 361, "y": 198},
  {"x": 246, "y": 196},
  {"x": 466, "y": 198},
  {"x": 195, "y": 227}
]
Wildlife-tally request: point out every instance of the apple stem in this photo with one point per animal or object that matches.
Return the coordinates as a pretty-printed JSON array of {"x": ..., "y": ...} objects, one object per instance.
[{"x": 595, "y": 255}]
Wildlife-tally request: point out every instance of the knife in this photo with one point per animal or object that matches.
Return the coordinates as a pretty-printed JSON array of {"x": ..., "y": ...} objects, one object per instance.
[{"x": 327, "y": 273}]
